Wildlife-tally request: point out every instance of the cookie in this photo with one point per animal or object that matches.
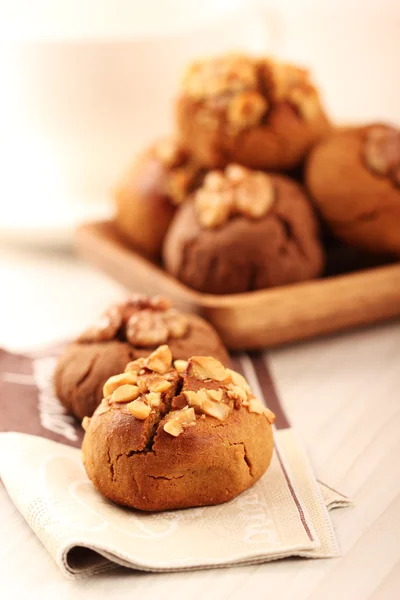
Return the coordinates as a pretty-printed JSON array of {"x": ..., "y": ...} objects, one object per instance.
[
  {"x": 176, "y": 436},
  {"x": 125, "y": 332},
  {"x": 354, "y": 179},
  {"x": 147, "y": 197},
  {"x": 244, "y": 230},
  {"x": 254, "y": 111}
]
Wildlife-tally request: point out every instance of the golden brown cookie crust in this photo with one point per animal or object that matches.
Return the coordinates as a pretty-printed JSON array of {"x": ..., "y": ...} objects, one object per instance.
[
  {"x": 245, "y": 254},
  {"x": 137, "y": 463},
  {"x": 256, "y": 112},
  {"x": 360, "y": 206}
]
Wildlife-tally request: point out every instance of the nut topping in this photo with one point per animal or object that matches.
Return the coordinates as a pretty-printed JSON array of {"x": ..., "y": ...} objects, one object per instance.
[
  {"x": 117, "y": 380},
  {"x": 139, "y": 409},
  {"x": 142, "y": 321},
  {"x": 246, "y": 109},
  {"x": 206, "y": 367},
  {"x": 85, "y": 423},
  {"x": 238, "y": 191},
  {"x": 160, "y": 360},
  {"x": 382, "y": 151},
  {"x": 125, "y": 393},
  {"x": 179, "y": 420},
  {"x": 142, "y": 385},
  {"x": 180, "y": 365}
]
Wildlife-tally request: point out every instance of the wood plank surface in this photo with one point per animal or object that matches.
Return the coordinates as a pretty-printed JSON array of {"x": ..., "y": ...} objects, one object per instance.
[{"x": 264, "y": 318}]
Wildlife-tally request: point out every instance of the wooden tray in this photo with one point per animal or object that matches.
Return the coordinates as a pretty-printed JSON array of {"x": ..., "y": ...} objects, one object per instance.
[{"x": 254, "y": 319}]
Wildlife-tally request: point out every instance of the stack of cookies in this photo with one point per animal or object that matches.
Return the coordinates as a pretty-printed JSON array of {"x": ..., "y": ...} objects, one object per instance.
[{"x": 236, "y": 200}]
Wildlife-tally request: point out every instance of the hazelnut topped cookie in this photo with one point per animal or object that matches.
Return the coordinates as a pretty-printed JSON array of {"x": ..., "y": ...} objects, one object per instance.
[
  {"x": 244, "y": 230},
  {"x": 255, "y": 111},
  {"x": 146, "y": 198},
  {"x": 124, "y": 333},
  {"x": 354, "y": 179},
  {"x": 176, "y": 434}
]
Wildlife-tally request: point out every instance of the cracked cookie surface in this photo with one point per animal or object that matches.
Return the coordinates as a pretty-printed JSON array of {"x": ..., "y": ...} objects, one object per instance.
[
  {"x": 245, "y": 252},
  {"x": 207, "y": 458}
]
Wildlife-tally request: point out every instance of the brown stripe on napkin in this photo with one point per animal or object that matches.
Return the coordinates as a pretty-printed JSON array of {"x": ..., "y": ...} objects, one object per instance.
[
  {"x": 265, "y": 383},
  {"x": 27, "y": 400}
]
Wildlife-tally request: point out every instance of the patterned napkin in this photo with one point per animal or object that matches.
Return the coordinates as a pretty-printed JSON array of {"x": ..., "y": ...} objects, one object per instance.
[{"x": 284, "y": 514}]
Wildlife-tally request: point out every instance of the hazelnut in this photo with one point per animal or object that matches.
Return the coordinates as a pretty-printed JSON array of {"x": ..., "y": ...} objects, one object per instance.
[
  {"x": 116, "y": 381},
  {"x": 146, "y": 328},
  {"x": 159, "y": 385},
  {"x": 206, "y": 367},
  {"x": 180, "y": 365},
  {"x": 238, "y": 379},
  {"x": 176, "y": 323},
  {"x": 254, "y": 195},
  {"x": 214, "y": 181},
  {"x": 215, "y": 395},
  {"x": 382, "y": 149},
  {"x": 178, "y": 420},
  {"x": 135, "y": 365},
  {"x": 237, "y": 393},
  {"x": 213, "y": 208},
  {"x": 218, "y": 410},
  {"x": 153, "y": 399},
  {"x": 305, "y": 99},
  {"x": 236, "y": 173},
  {"x": 85, "y": 423},
  {"x": 246, "y": 109},
  {"x": 125, "y": 393},
  {"x": 139, "y": 409},
  {"x": 160, "y": 360}
]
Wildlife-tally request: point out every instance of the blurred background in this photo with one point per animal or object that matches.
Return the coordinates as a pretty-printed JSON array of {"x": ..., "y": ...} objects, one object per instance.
[{"x": 86, "y": 83}]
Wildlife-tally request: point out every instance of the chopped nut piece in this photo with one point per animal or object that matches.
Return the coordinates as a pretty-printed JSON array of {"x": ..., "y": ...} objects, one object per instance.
[
  {"x": 219, "y": 410},
  {"x": 196, "y": 398},
  {"x": 237, "y": 393},
  {"x": 206, "y": 367},
  {"x": 85, "y": 423},
  {"x": 177, "y": 184},
  {"x": 143, "y": 385},
  {"x": 256, "y": 406},
  {"x": 382, "y": 150},
  {"x": 103, "y": 407},
  {"x": 254, "y": 195},
  {"x": 158, "y": 384},
  {"x": 213, "y": 208},
  {"x": 236, "y": 173},
  {"x": 114, "y": 382},
  {"x": 160, "y": 303},
  {"x": 270, "y": 416},
  {"x": 154, "y": 399},
  {"x": 305, "y": 98},
  {"x": 215, "y": 395},
  {"x": 238, "y": 379},
  {"x": 181, "y": 365},
  {"x": 179, "y": 420},
  {"x": 139, "y": 409},
  {"x": 160, "y": 360},
  {"x": 214, "y": 181},
  {"x": 146, "y": 328},
  {"x": 125, "y": 393},
  {"x": 177, "y": 324},
  {"x": 246, "y": 109},
  {"x": 136, "y": 365}
]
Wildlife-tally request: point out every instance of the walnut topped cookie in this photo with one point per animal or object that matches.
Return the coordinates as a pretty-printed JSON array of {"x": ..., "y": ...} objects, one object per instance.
[
  {"x": 244, "y": 230},
  {"x": 354, "y": 179},
  {"x": 146, "y": 198},
  {"x": 175, "y": 434},
  {"x": 255, "y": 111},
  {"x": 125, "y": 332}
]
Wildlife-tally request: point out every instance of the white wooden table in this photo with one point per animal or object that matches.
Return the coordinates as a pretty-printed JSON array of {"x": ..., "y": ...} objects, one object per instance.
[{"x": 342, "y": 394}]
